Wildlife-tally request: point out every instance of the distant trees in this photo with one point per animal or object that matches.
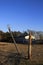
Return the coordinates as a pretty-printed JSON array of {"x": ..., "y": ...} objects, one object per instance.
[
  {"x": 38, "y": 34},
  {"x": 5, "y": 36},
  {"x": 16, "y": 33},
  {"x": 41, "y": 37},
  {"x": 1, "y": 35}
]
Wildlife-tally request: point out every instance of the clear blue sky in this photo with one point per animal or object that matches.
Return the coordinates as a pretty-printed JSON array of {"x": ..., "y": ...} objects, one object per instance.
[{"x": 21, "y": 14}]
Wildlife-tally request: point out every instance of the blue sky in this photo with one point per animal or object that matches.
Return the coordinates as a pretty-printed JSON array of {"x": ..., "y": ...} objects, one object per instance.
[{"x": 21, "y": 14}]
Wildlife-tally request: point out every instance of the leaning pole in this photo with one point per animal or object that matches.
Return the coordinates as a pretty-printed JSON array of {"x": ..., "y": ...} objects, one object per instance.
[{"x": 13, "y": 38}]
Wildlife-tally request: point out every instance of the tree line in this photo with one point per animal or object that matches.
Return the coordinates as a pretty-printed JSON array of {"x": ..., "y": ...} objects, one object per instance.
[{"x": 5, "y": 36}]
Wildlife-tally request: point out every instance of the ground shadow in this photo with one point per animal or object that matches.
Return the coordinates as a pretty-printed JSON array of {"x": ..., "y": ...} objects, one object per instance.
[{"x": 11, "y": 59}]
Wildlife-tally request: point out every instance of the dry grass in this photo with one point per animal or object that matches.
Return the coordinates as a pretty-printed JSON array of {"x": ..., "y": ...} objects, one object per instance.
[{"x": 7, "y": 57}]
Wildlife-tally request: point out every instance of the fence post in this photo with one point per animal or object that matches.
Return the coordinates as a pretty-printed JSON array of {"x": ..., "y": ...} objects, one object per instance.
[{"x": 29, "y": 46}]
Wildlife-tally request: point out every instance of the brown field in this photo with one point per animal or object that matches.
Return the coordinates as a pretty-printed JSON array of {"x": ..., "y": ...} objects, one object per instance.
[{"x": 8, "y": 54}]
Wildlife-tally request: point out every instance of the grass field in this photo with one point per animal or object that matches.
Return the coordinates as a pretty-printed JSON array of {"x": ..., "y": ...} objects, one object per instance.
[{"x": 8, "y": 54}]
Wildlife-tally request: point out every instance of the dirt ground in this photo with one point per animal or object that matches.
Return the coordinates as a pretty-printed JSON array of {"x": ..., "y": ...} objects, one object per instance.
[{"x": 9, "y": 55}]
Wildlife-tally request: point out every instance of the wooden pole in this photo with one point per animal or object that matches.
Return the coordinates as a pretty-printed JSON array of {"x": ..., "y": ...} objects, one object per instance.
[
  {"x": 29, "y": 46},
  {"x": 13, "y": 38}
]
